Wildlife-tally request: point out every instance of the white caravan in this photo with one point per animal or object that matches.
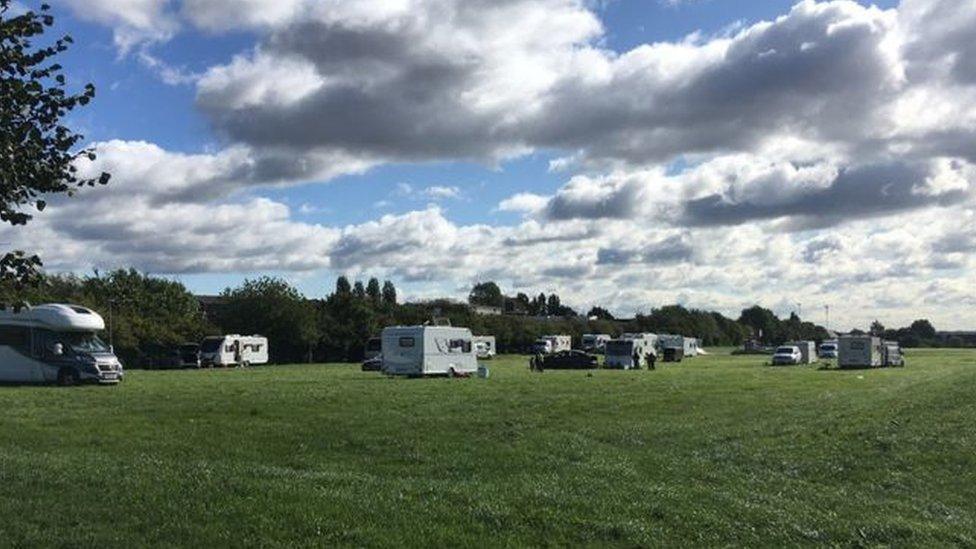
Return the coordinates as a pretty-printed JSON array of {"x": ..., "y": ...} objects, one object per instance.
[
  {"x": 553, "y": 344},
  {"x": 860, "y": 352},
  {"x": 484, "y": 347},
  {"x": 234, "y": 350},
  {"x": 594, "y": 343},
  {"x": 620, "y": 352},
  {"x": 808, "y": 351},
  {"x": 55, "y": 342},
  {"x": 428, "y": 350}
]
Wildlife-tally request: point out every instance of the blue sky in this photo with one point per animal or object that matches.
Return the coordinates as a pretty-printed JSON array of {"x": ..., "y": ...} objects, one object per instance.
[{"x": 691, "y": 170}]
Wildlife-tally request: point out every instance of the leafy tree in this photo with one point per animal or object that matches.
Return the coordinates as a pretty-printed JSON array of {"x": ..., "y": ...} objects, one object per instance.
[
  {"x": 342, "y": 286},
  {"x": 37, "y": 152},
  {"x": 923, "y": 329},
  {"x": 877, "y": 328},
  {"x": 374, "y": 293},
  {"x": 487, "y": 294},
  {"x": 358, "y": 291},
  {"x": 599, "y": 313},
  {"x": 553, "y": 304},
  {"x": 275, "y": 309},
  {"x": 389, "y": 294}
]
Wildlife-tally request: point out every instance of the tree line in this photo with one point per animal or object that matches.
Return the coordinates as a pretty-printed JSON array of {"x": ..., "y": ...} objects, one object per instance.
[{"x": 147, "y": 315}]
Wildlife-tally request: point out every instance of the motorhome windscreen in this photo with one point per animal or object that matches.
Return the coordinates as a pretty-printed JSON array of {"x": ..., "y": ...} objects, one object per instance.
[
  {"x": 784, "y": 351},
  {"x": 84, "y": 342},
  {"x": 211, "y": 344},
  {"x": 620, "y": 348}
]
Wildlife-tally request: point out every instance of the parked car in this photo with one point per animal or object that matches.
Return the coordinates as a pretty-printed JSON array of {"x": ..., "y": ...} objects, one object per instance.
[
  {"x": 787, "y": 355},
  {"x": 374, "y": 364},
  {"x": 569, "y": 360}
]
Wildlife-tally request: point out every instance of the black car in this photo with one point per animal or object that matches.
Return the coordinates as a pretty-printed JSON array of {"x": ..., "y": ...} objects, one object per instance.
[
  {"x": 569, "y": 360},
  {"x": 374, "y": 364}
]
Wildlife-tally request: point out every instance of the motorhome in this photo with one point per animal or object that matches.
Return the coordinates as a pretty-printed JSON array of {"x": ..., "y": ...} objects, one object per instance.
[
  {"x": 373, "y": 349},
  {"x": 484, "y": 347},
  {"x": 234, "y": 350},
  {"x": 55, "y": 343},
  {"x": 552, "y": 344},
  {"x": 619, "y": 353},
  {"x": 428, "y": 350},
  {"x": 594, "y": 343},
  {"x": 860, "y": 352},
  {"x": 808, "y": 351}
]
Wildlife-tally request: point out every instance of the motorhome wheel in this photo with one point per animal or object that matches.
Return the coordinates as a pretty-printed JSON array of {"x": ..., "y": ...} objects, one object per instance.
[{"x": 67, "y": 377}]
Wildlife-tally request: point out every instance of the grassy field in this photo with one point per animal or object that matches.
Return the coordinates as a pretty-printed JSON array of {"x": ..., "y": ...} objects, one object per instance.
[{"x": 717, "y": 451}]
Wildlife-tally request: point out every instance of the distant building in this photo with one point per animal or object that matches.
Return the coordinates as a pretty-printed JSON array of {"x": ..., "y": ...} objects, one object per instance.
[{"x": 486, "y": 310}]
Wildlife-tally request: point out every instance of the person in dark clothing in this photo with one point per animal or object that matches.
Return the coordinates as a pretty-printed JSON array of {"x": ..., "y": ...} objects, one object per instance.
[
  {"x": 636, "y": 358},
  {"x": 651, "y": 359},
  {"x": 539, "y": 363}
]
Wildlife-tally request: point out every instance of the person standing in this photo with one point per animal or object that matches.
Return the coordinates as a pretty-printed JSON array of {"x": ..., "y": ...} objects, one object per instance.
[
  {"x": 636, "y": 359},
  {"x": 651, "y": 360}
]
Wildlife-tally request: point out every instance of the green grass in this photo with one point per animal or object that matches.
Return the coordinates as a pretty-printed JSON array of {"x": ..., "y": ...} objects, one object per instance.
[{"x": 719, "y": 450}]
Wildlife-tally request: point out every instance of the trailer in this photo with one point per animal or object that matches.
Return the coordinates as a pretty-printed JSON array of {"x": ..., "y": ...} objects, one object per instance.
[
  {"x": 893, "y": 355},
  {"x": 55, "y": 343},
  {"x": 428, "y": 350},
  {"x": 552, "y": 344},
  {"x": 808, "y": 351},
  {"x": 484, "y": 347},
  {"x": 594, "y": 343},
  {"x": 233, "y": 350},
  {"x": 619, "y": 353},
  {"x": 860, "y": 352},
  {"x": 688, "y": 346}
]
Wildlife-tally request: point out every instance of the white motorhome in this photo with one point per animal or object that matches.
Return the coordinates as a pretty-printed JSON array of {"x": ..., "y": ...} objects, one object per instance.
[
  {"x": 594, "y": 343},
  {"x": 484, "y": 347},
  {"x": 55, "y": 343},
  {"x": 808, "y": 351},
  {"x": 234, "y": 350},
  {"x": 619, "y": 353},
  {"x": 553, "y": 344},
  {"x": 428, "y": 350},
  {"x": 860, "y": 352}
]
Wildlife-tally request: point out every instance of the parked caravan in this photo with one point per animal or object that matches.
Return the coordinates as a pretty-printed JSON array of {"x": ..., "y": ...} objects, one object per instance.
[
  {"x": 484, "y": 347},
  {"x": 594, "y": 343},
  {"x": 860, "y": 352},
  {"x": 234, "y": 350},
  {"x": 55, "y": 343},
  {"x": 808, "y": 350},
  {"x": 552, "y": 344},
  {"x": 428, "y": 350},
  {"x": 373, "y": 349},
  {"x": 619, "y": 353}
]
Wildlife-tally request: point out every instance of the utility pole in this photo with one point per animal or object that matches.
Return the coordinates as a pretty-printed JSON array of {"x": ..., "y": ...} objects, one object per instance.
[
  {"x": 827, "y": 317},
  {"x": 799, "y": 311}
]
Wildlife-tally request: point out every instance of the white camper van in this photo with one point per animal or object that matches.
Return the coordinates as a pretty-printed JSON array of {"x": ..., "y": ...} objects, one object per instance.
[
  {"x": 594, "y": 343},
  {"x": 553, "y": 344},
  {"x": 428, "y": 350},
  {"x": 234, "y": 350},
  {"x": 860, "y": 352},
  {"x": 620, "y": 352},
  {"x": 484, "y": 347},
  {"x": 55, "y": 342}
]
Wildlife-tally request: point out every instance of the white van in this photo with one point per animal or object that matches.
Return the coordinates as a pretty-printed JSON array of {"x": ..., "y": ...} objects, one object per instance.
[
  {"x": 55, "y": 343},
  {"x": 233, "y": 350},
  {"x": 428, "y": 350},
  {"x": 484, "y": 347}
]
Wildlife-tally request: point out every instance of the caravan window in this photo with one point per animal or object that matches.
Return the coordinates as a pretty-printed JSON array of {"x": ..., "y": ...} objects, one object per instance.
[
  {"x": 407, "y": 342},
  {"x": 459, "y": 346}
]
